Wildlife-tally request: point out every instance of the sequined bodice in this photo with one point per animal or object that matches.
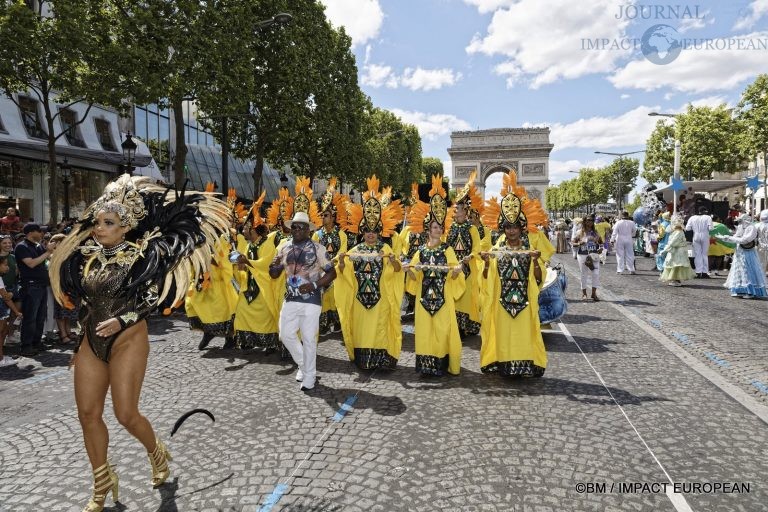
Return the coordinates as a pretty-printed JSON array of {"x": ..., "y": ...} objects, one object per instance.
[{"x": 368, "y": 276}]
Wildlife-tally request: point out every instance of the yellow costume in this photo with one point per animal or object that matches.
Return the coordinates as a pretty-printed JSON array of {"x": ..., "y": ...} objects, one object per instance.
[
  {"x": 511, "y": 335},
  {"x": 437, "y": 340},
  {"x": 369, "y": 288}
]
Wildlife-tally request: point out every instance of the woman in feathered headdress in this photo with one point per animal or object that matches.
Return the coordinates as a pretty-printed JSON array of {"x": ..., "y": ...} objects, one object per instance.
[
  {"x": 369, "y": 289},
  {"x": 256, "y": 314},
  {"x": 435, "y": 277},
  {"x": 465, "y": 240},
  {"x": 280, "y": 212},
  {"x": 130, "y": 248},
  {"x": 211, "y": 298},
  {"x": 511, "y": 335},
  {"x": 333, "y": 211},
  {"x": 410, "y": 241}
]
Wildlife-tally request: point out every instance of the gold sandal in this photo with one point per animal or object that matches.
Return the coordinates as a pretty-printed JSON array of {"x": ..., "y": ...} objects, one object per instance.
[
  {"x": 104, "y": 479},
  {"x": 159, "y": 460}
]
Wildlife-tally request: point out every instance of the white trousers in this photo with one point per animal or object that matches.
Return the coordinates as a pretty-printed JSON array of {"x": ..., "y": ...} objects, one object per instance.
[
  {"x": 701, "y": 254},
  {"x": 295, "y": 318},
  {"x": 625, "y": 255},
  {"x": 589, "y": 275}
]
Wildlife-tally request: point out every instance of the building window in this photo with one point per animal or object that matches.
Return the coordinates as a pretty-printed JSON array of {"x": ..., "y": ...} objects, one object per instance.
[
  {"x": 31, "y": 117},
  {"x": 104, "y": 132},
  {"x": 2, "y": 128},
  {"x": 69, "y": 127}
]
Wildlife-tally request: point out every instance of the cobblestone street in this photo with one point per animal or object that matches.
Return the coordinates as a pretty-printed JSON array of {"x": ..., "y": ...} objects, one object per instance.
[{"x": 652, "y": 385}]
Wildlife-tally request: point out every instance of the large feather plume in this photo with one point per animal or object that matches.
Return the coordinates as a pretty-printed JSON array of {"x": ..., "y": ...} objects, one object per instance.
[{"x": 285, "y": 201}]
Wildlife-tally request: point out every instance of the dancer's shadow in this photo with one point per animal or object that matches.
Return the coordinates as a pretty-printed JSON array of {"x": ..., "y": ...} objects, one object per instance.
[{"x": 379, "y": 404}]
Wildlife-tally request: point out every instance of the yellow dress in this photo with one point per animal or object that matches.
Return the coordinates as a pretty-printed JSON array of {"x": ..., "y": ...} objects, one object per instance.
[
  {"x": 256, "y": 318},
  {"x": 334, "y": 243},
  {"x": 465, "y": 240},
  {"x": 438, "y": 344},
  {"x": 368, "y": 295},
  {"x": 211, "y": 302},
  {"x": 511, "y": 335}
]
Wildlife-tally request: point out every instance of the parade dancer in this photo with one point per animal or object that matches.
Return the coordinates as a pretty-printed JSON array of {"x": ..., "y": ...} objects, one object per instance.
[
  {"x": 701, "y": 225},
  {"x": 511, "y": 335},
  {"x": 256, "y": 313},
  {"x": 307, "y": 269},
  {"x": 663, "y": 227},
  {"x": 436, "y": 279},
  {"x": 747, "y": 277},
  {"x": 623, "y": 232},
  {"x": 464, "y": 238},
  {"x": 589, "y": 244},
  {"x": 410, "y": 241},
  {"x": 333, "y": 210},
  {"x": 369, "y": 289},
  {"x": 130, "y": 247},
  {"x": 677, "y": 267},
  {"x": 762, "y": 240}
]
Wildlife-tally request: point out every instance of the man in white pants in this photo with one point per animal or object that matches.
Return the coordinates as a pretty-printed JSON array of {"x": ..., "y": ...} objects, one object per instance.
[
  {"x": 700, "y": 224},
  {"x": 308, "y": 270},
  {"x": 623, "y": 232}
]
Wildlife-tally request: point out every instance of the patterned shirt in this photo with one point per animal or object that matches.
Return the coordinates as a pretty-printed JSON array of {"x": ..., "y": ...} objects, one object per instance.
[{"x": 304, "y": 262}]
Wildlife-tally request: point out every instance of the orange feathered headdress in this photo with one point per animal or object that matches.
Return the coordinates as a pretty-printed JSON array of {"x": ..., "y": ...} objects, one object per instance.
[
  {"x": 372, "y": 215},
  {"x": 302, "y": 201},
  {"x": 334, "y": 202},
  {"x": 515, "y": 207},
  {"x": 422, "y": 214},
  {"x": 470, "y": 196},
  {"x": 255, "y": 211},
  {"x": 281, "y": 209}
]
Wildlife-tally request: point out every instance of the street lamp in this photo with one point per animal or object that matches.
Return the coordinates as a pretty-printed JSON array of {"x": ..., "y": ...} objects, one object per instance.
[
  {"x": 66, "y": 174},
  {"x": 282, "y": 18},
  {"x": 676, "y": 167},
  {"x": 129, "y": 151},
  {"x": 618, "y": 182}
]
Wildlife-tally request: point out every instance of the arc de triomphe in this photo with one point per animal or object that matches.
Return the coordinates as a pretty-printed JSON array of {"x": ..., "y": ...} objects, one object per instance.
[{"x": 526, "y": 150}]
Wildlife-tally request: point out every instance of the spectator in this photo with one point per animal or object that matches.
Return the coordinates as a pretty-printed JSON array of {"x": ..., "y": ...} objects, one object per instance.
[
  {"x": 33, "y": 281},
  {"x": 64, "y": 317},
  {"x": 11, "y": 223},
  {"x": 6, "y": 307}
]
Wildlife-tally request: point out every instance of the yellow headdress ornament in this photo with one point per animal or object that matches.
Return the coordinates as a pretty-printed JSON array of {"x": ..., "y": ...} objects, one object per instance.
[
  {"x": 372, "y": 215},
  {"x": 470, "y": 197},
  {"x": 281, "y": 209},
  {"x": 302, "y": 201},
  {"x": 515, "y": 207},
  {"x": 334, "y": 202},
  {"x": 422, "y": 214}
]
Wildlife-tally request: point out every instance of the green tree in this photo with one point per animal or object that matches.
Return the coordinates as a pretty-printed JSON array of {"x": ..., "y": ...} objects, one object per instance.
[
  {"x": 709, "y": 144},
  {"x": 752, "y": 117},
  {"x": 621, "y": 176},
  {"x": 429, "y": 167},
  {"x": 64, "y": 52}
]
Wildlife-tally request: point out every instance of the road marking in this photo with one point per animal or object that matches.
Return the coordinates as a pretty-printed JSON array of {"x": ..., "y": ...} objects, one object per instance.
[
  {"x": 677, "y": 499},
  {"x": 759, "y": 385},
  {"x": 273, "y": 498},
  {"x": 345, "y": 408},
  {"x": 718, "y": 361}
]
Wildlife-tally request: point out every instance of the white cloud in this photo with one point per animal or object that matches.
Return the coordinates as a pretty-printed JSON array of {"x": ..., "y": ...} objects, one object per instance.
[
  {"x": 625, "y": 96},
  {"x": 486, "y": 6},
  {"x": 432, "y": 126},
  {"x": 757, "y": 9},
  {"x": 428, "y": 79},
  {"x": 696, "y": 70},
  {"x": 704, "y": 19},
  {"x": 362, "y": 19},
  {"x": 545, "y": 40},
  {"x": 562, "y": 170},
  {"x": 708, "y": 101},
  {"x": 376, "y": 75},
  {"x": 601, "y": 133}
]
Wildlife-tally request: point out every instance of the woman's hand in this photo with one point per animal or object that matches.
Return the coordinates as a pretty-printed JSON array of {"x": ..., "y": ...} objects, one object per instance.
[
  {"x": 342, "y": 263},
  {"x": 485, "y": 256},
  {"x": 456, "y": 271},
  {"x": 108, "y": 327},
  {"x": 535, "y": 255}
]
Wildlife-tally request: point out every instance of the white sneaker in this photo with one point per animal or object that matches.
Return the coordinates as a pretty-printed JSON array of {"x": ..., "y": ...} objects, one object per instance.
[
  {"x": 7, "y": 361},
  {"x": 299, "y": 375}
]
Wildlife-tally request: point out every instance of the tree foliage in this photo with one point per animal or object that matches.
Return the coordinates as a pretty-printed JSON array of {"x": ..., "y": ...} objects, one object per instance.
[
  {"x": 593, "y": 186},
  {"x": 709, "y": 143},
  {"x": 429, "y": 167},
  {"x": 752, "y": 117}
]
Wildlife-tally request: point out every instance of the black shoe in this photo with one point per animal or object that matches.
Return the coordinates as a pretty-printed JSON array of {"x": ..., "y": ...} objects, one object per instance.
[
  {"x": 29, "y": 351},
  {"x": 705, "y": 276},
  {"x": 307, "y": 390},
  {"x": 229, "y": 342},
  {"x": 205, "y": 341}
]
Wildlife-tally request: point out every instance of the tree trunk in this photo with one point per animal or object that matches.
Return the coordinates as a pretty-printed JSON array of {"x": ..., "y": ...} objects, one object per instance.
[
  {"x": 180, "y": 158},
  {"x": 258, "y": 172},
  {"x": 53, "y": 197}
]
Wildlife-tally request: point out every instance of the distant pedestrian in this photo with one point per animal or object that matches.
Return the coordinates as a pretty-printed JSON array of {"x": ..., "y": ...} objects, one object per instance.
[
  {"x": 701, "y": 225},
  {"x": 762, "y": 240},
  {"x": 589, "y": 245},
  {"x": 623, "y": 234},
  {"x": 6, "y": 307}
]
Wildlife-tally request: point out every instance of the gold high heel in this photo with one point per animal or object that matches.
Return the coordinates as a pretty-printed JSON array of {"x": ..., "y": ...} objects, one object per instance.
[
  {"x": 104, "y": 479},
  {"x": 159, "y": 460}
]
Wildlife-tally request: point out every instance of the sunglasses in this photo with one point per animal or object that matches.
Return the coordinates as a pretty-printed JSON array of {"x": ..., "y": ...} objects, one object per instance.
[{"x": 298, "y": 227}]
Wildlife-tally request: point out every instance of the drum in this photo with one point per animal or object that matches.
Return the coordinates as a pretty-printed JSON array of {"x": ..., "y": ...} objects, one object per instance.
[{"x": 552, "y": 303}]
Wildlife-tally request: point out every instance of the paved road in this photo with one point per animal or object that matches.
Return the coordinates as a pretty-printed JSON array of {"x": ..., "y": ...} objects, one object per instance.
[{"x": 623, "y": 405}]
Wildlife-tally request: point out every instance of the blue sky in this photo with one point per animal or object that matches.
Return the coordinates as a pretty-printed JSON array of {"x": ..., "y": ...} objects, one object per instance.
[{"x": 448, "y": 65}]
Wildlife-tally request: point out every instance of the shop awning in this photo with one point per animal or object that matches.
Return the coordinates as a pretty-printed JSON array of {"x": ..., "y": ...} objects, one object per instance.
[{"x": 701, "y": 186}]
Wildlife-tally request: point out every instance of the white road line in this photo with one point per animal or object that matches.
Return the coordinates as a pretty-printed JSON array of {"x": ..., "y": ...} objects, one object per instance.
[{"x": 678, "y": 500}]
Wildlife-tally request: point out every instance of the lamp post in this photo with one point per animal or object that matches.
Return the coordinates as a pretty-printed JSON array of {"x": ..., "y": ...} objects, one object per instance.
[
  {"x": 66, "y": 174},
  {"x": 618, "y": 182},
  {"x": 129, "y": 151},
  {"x": 676, "y": 167}
]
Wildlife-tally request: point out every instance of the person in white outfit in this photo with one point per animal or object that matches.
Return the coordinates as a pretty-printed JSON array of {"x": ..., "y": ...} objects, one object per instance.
[
  {"x": 623, "y": 232},
  {"x": 308, "y": 270},
  {"x": 762, "y": 240},
  {"x": 701, "y": 225}
]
